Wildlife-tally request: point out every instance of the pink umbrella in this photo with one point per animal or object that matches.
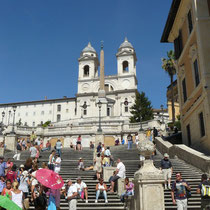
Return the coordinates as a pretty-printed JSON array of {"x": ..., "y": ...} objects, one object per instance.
[{"x": 49, "y": 178}]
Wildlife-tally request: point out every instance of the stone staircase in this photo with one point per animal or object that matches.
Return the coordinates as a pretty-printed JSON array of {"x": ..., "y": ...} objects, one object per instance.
[
  {"x": 131, "y": 160},
  {"x": 69, "y": 170},
  {"x": 191, "y": 174}
]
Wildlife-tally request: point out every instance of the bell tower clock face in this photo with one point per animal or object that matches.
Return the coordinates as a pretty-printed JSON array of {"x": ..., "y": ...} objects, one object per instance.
[{"x": 85, "y": 87}]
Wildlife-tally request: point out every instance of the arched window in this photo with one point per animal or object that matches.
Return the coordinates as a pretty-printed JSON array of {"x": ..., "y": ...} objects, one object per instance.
[
  {"x": 125, "y": 66},
  {"x": 86, "y": 71},
  {"x": 58, "y": 117},
  {"x": 59, "y": 108}
]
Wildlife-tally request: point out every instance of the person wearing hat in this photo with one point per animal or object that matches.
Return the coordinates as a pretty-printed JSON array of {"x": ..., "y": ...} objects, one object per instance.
[
  {"x": 82, "y": 189},
  {"x": 24, "y": 183},
  {"x": 167, "y": 170},
  {"x": 3, "y": 166}
]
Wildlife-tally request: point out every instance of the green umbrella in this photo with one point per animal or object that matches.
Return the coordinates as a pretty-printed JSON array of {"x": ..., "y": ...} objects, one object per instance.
[{"x": 8, "y": 204}]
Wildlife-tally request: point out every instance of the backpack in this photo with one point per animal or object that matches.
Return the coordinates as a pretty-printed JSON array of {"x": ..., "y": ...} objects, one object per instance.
[{"x": 205, "y": 191}]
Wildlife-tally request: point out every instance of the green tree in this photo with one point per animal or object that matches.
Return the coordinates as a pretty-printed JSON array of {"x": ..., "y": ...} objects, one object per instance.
[
  {"x": 169, "y": 67},
  {"x": 142, "y": 108}
]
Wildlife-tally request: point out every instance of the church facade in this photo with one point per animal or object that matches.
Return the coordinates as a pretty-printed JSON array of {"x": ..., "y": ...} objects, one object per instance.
[{"x": 119, "y": 94}]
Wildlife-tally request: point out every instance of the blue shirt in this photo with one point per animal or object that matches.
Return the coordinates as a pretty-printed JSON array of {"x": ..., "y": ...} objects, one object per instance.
[
  {"x": 3, "y": 166},
  {"x": 2, "y": 186},
  {"x": 58, "y": 145}
]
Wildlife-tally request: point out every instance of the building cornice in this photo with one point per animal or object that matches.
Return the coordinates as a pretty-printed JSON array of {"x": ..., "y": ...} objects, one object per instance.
[
  {"x": 107, "y": 93},
  {"x": 170, "y": 20},
  {"x": 39, "y": 101}
]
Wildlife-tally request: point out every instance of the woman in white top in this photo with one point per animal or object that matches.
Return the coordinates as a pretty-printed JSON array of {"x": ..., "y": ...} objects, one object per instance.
[
  {"x": 57, "y": 163},
  {"x": 51, "y": 160},
  {"x": 17, "y": 195},
  {"x": 24, "y": 183},
  {"x": 101, "y": 188}
]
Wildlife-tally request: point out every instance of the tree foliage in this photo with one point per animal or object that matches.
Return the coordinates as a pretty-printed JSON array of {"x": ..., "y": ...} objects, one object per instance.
[
  {"x": 168, "y": 64},
  {"x": 142, "y": 108}
]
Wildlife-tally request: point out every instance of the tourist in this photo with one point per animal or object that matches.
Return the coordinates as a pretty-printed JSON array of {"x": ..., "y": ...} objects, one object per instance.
[
  {"x": 3, "y": 166},
  {"x": 45, "y": 165},
  {"x": 58, "y": 147},
  {"x": 91, "y": 145},
  {"x": 33, "y": 180},
  {"x": 101, "y": 189},
  {"x": 7, "y": 189},
  {"x": 51, "y": 160},
  {"x": 19, "y": 172},
  {"x": 107, "y": 152},
  {"x": 32, "y": 137},
  {"x": 17, "y": 195},
  {"x": 12, "y": 174},
  {"x": 106, "y": 161},
  {"x": 155, "y": 133},
  {"x": 37, "y": 153},
  {"x": 167, "y": 170},
  {"x": 130, "y": 141},
  {"x": 103, "y": 149},
  {"x": 37, "y": 141},
  {"x": 99, "y": 148},
  {"x": 98, "y": 166},
  {"x": 54, "y": 196},
  {"x": 117, "y": 142},
  {"x": 9, "y": 164},
  {"x": 57, "y": 163},
  {"x": 179, "y": 192},
  {"x": 204, "y": 190},
  {"x": 81, "y": 165},
  {"x": 48, "y": 146},
  {"x": 24, "y": 144},
  {"x": 24, "y": 183},
  {"x": 79, "y": 143},
  {"x": 129, "y": 187},
  {"x": 33, "y": 151},
  {"x": 82, "y": 189},
  {"x": 122, "y": 141},
  {"x": 41, "y": 144},
  {"x": 2, "y": 184},
  {"x": 28, "y": 164},
  {"x": 39, "y": 196},
  {"x": 119, "y": 173},
  {"x": 72, "y": 196}
]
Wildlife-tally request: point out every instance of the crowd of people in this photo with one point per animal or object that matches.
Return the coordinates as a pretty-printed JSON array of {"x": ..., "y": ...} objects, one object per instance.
[{"x": 18, "y": 183}]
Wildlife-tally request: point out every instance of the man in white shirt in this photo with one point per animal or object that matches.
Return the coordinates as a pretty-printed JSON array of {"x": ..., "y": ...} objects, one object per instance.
[
  {"x": 72, "y": 195},
  {"x": 119, "y": 173},
  {"x": 82, "y": 189}
]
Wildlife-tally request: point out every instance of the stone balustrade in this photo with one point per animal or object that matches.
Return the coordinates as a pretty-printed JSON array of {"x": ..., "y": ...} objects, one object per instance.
[{"x": 185, "y": 153}]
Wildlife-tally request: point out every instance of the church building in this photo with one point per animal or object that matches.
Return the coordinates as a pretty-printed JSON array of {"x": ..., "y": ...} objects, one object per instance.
[{"x": 108, "y": 96}]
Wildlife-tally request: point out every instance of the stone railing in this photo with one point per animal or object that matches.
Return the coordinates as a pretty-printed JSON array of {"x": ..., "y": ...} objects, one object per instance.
[{"x": 183, "y": 152}]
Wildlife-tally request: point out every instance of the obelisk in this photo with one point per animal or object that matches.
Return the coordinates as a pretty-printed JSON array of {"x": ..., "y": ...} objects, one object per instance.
[{"x": 101, "y": 93}]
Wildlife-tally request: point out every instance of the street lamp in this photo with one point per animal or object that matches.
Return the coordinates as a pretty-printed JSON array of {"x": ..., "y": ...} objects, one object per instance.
[
  {"x": 9, "y": 116},
  {"x": 13, "y": 124},
  {"x": 99, "y": 125},
  {"x": 141, "y": 129},
  {"x": 161, "y": 106}
]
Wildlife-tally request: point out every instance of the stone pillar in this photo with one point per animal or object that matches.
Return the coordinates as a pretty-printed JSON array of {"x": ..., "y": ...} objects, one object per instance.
[
  {"x": 11, "y": 141},
  {"x": 148, "y": 181},
  {"x": 99, "y": 138},
  {"x": 108, "y": 172}
]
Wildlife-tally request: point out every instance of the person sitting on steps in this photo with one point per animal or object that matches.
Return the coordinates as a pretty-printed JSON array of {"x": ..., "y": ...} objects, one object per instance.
[{"x": 101, "y": 188}]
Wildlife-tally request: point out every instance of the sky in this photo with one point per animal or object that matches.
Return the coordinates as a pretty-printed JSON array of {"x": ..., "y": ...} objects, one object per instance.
[{"x": 41, "y": 41}]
